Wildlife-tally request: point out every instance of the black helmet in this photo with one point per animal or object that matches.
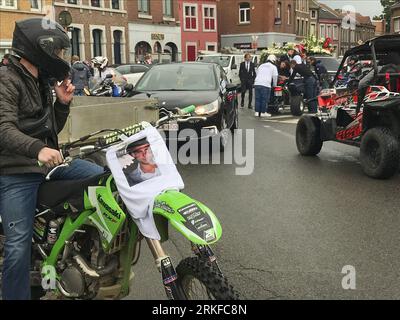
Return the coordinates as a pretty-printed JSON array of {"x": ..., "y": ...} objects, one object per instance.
[{"x": 42, "y": 42}]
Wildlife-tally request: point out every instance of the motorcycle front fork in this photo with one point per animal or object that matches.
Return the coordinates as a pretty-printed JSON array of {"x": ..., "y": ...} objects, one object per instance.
[
  {"x": 168, "y": 273},
  {"x": 205, "y": 252}
]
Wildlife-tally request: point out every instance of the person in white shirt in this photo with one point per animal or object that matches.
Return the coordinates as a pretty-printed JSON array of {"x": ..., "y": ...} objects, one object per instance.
[{"x": 266, "y": 79}]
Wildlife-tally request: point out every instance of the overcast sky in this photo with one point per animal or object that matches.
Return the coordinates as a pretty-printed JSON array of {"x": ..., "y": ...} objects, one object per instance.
[{"x": 365, "y": 7}]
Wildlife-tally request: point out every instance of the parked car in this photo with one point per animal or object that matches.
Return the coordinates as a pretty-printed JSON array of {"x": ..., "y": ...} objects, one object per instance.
[
  {"x": 132, "y": 72},
  {"x": 204, "y": 85},
  {"x": 229, "y": 62}
]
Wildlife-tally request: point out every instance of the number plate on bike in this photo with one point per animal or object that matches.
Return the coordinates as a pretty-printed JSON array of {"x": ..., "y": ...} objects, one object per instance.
[
  {"x": 170, "y": 126},
  {"x": 278, "y": 93}
]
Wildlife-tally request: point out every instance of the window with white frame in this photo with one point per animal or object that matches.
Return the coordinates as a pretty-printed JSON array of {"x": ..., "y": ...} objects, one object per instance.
[
  {"x": 244, "y": 12},
  {"x": 35, "y": 5},
  {"x": 396, "y": 24},
  {"x": 313, "y": 29},
  {"x": 279, "y": 11},
  {"x": 144, "y": 6},
  {"x": 97, "y": 42},
  {"x": 313, "y": 14},
  {"x": 167, "y": 8},
  {"x": 329, "y": 31},
  {"x": 322, "y": 30},
  {"x": 190, "y": 17},
  {"x": 335, "y": 32},
  {"x": 209, "y": 16},
  {"x": 95, "y": 3},
  {"x": 289, "y": 14},
  {"x": 115, "y": 4},
  {"x": 8, "y": 4},
  {"x": 76, "y": 42}
]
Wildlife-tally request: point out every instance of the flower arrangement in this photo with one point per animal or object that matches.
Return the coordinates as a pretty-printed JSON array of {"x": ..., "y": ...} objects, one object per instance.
[{"x": 318, "y": 46}]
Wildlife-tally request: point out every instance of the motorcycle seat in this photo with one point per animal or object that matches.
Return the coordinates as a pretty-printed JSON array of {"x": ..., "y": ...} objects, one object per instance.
[{"x": 54, "y": 193}]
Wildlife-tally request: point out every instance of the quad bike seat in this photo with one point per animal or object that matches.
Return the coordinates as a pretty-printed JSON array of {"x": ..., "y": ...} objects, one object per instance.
[{"x": 53, "y": 194}]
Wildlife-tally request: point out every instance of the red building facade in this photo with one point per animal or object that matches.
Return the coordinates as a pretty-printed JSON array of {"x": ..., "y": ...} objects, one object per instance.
[{"x": 199, "y": 27}]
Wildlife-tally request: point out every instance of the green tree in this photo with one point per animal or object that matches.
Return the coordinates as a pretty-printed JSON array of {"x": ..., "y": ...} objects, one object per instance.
[{"x": 386, "y": 4}]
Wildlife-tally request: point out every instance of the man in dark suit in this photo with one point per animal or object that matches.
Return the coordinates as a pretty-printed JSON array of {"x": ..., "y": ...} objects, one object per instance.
[{"x": 247, "y": 74}]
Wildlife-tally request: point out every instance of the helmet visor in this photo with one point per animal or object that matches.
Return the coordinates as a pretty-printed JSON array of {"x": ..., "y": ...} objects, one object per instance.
[{"x": 55, "y": 48}]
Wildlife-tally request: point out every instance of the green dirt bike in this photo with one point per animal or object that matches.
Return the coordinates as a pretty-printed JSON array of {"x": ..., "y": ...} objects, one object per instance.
[{"x": 73, "y": 258}]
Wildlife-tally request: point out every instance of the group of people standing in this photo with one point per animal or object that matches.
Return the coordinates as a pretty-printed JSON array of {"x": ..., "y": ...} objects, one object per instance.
[{"x": 291, "y": 67}]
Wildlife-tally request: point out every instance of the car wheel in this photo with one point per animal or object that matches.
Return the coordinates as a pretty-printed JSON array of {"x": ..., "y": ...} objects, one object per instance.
[
  {"x": 296, "y": 105},
  {"x": 235, "y": 124},
  {"x": 379, "y": 153},
  {"x": 224, "y": 134},
  {"x": 308, "y": 136}
]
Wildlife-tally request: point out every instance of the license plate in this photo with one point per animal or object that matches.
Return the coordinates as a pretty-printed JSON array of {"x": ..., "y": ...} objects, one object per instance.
[
  {"x": 170, "y": 126},
  {"x": 278, "y": 93}
]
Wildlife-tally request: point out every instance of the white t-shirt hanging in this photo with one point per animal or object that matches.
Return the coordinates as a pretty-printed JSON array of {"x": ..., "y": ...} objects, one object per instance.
[{"x": 143, "y": 168}]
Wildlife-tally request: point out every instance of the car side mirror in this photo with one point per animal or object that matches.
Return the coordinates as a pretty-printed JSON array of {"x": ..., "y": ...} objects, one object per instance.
[{"x": 234, "y": 67}]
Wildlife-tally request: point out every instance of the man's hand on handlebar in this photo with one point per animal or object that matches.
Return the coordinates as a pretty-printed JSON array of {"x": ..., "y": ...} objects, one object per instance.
[{"x": 50, "y": 157}]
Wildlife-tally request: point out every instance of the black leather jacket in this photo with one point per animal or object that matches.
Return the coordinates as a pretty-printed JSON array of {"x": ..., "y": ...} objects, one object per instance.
[{"x": 28, "y": 119}]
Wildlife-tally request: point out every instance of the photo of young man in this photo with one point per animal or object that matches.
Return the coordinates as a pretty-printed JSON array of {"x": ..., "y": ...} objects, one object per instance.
[{"x": 142, "y": 166}]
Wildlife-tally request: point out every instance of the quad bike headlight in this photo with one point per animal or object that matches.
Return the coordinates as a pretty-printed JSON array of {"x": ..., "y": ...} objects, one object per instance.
[{"x": 207, "y": 109}]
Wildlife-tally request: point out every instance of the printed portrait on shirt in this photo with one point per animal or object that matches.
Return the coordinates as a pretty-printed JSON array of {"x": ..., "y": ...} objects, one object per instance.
[{"x": 138, "y": 163}]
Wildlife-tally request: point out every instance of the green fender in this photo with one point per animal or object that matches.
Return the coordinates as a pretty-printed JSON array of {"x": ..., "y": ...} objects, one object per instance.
[{"x": 190, "y": 217}]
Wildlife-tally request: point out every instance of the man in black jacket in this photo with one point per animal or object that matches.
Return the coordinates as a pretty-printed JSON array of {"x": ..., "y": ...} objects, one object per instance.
[
  {"x": 247, "y": 74},
  {"x": 29, "y": 124},
  {"x": 310, "y": 83}
]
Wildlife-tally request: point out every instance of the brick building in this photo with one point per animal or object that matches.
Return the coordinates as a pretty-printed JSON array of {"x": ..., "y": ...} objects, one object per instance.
[
  {"x": 256, "y": 23},
  {"x": 329, "y": 26},
  {"x": 14, "y": 10},
  {"x": 154, "y": 27},
  {"x": 199, "y": 27},
  {"x": 302, "y": 16},
  {"x": 98, "y": 28},
  {"x": 380, "y": 27},
  {"x": 395, "y": 20}
]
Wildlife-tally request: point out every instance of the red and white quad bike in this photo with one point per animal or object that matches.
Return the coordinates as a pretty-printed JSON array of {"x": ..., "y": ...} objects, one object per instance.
[{"x": 375, "y": 127}]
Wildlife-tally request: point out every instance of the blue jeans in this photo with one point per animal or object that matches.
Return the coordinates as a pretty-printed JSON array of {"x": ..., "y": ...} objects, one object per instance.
[
  {"x": 310, "y": 92},
  {"x": 18, "y": 195},
  {"x": 79, "y": 92},
  {"x": 262, "y": 98}
]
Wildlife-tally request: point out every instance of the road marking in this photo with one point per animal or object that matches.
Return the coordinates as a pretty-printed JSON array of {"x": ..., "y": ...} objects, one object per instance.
[{"x": 291, "y": 121}]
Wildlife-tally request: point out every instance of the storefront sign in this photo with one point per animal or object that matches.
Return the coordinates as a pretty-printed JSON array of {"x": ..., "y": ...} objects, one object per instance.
[
  {"x": 157, "y": 36},
  {"x": 243, "y": 45}
]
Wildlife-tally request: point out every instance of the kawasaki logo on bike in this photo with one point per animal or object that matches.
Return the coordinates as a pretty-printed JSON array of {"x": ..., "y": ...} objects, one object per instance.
[{"x": 107, "y": 207}]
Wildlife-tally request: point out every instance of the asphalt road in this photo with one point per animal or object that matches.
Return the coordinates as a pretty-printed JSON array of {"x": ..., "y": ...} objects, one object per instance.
[{"x": 291, "y": 226}]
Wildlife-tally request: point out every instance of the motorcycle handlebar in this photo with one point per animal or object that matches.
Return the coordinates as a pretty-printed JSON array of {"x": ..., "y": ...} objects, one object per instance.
[{"x": 71, "y": 151}]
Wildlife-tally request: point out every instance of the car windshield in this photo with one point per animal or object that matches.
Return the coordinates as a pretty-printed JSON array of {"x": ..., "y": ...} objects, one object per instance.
[
  {"x": 125, "y": 69},
  {"x": 178, "y": 77},
  {"x": 330, "y": 63},
  {"x": 223, "y": 61}
]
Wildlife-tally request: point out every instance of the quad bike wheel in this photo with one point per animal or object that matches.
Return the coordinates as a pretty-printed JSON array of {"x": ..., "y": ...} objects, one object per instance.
[
  {"x": 379, "y": 153},
  {"x": 308, "y": 136},
  {"x": 296, "y": 105}
]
